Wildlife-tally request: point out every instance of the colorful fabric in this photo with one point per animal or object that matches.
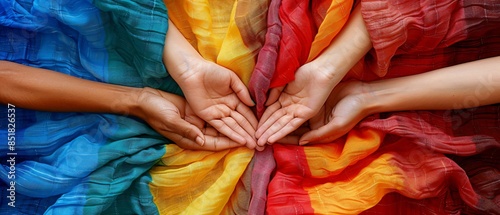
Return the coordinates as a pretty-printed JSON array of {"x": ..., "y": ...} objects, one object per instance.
[
  {"x": 76, "y": 163},
  {"x": 413, "y": 162}
]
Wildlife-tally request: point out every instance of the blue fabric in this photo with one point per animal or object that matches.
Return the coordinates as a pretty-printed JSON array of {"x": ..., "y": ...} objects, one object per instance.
[{"x": 83, "y": 163}]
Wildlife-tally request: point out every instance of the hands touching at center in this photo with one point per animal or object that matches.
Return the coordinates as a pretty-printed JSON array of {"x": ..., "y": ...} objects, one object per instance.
[
  {"x": 219, "y": 97},
  {"x": 172, "y": 117},
  {"x": 216, "y": 94},
  {"x": 303, "y": 98}
]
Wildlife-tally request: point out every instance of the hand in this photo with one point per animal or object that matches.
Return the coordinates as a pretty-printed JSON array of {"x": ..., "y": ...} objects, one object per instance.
[
  {"x": 173, "y": 118},
  {"x": 300, "y": 100},
  {"x": 347, "y": 105},
  {"x": 218, "y": 96}
]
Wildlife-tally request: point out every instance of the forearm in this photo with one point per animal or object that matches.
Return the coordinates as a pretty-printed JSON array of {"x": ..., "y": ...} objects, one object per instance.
[
  {"x": 179, "y": 56},
  {"x": 347, "y": 48},
  {"x": 45, "y": 90},
  {"x": 462, "y": 86}
]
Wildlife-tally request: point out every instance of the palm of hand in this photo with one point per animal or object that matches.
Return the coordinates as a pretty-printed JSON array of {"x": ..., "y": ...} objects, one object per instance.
[
  {"x": 219, "y": 97},
  {"x": 344, "y": 108},
  {"x": 300, "y": 101}
]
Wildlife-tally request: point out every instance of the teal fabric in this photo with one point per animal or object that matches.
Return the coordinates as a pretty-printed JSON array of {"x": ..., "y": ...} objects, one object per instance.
[{"x": 82, "y": 163}]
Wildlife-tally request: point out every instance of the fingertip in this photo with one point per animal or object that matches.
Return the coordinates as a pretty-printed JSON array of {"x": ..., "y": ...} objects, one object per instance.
[
  {"x": 260, "y": 148},
  {"x": 303, "y": 142},
  {"x": 261, "y": 142},
  {"x": 257, "y": 134},
  {"x": 200, "y": 141}
]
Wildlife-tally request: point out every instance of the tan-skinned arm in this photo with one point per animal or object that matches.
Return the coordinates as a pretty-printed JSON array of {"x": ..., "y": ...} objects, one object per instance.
[
  {"x": 46, "y": 90},
  {"x": 466, "y": 85},
  {"x": 462, "y": 86}
]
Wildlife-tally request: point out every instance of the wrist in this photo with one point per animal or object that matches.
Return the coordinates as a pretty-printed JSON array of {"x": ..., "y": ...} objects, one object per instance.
[
  {"x": 381, "y": 98},
  {"x": 141, "y": 99},
  {"x": 127, "y": 103}
]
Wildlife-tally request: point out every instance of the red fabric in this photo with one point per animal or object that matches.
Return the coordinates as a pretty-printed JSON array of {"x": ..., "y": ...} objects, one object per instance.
[
  {"x": 466, "y": 147},
  {"x": 411, "y": 37},
  {"x": 458, "y": 151},
  {"x": 297, "y": 35},
  {"x": 265, "y": 68}
]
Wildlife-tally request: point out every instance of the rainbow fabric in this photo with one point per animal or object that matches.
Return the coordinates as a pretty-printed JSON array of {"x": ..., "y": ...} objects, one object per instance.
[{"x": 413, "y": 162}]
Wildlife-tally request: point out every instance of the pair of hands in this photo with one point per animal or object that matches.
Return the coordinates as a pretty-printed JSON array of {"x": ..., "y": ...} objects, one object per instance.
[
  {"x": 217, "y": 114},
  {"x": 314, "y": 108}
]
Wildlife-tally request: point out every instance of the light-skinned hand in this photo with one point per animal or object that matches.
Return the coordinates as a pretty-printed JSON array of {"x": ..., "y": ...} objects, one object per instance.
[{"x": 300, "y": 100}]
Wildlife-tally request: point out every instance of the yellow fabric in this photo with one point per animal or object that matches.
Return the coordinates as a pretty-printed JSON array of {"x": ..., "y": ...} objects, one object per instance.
[
  {"x": 364, "y": 190},
  {"x": 358, "y": 145},
  {"x": 212, "y": 28},
  {"x": 334, "y": 19},
  {"x": 200, "y": 182},
  {"x": 361, "y": 186}
]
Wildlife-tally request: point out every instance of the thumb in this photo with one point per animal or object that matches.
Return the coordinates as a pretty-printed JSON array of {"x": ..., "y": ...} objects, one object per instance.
[
  {"x": 274, "y": 94},
  {"x": 241, "y": 90},
  {"x": 324, "y": 134}
]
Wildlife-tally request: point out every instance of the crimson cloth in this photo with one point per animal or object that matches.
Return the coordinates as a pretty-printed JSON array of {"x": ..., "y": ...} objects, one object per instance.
[{"x": 411, "y": 37}]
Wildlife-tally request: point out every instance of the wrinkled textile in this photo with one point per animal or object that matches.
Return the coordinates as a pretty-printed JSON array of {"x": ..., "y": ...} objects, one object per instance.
[
  {"x": 410, "y": 162},
  {"x": 76, "y": 163},
  {"x": 264, "y": 42},
  {"x": 414, "y": 162}
]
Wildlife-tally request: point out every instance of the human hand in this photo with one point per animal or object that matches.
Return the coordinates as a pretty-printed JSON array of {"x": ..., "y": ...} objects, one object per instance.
[
  {"x": 347, "y": 105},
  {"x": 173, "y": 118},
  {"x": 218, "y": 96},
  {"x": 300, "y": 100}
]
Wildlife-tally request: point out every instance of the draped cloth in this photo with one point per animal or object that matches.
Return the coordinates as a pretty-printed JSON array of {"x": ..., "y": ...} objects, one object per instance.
[
  {"x": 80, "y": 163},
  {"x": 411, "y": 162},
  {"x": 407, "y": 162}
]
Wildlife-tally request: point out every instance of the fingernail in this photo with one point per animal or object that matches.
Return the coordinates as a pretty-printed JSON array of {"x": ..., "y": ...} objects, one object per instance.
[
  {"x": 200, "y": 141},
  {"x": 303, "y": 142}
]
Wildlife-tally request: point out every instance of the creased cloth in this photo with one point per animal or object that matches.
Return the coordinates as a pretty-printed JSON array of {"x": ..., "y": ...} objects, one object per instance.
[
  {"x": 410, "y": 162},
  {"x": 78, "y": 163}
]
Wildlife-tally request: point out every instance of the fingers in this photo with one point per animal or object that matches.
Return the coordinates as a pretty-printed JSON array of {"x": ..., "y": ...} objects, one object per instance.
[
  {"x": 186, "y": 130},
  {"x": 249, "y": 121},
  {"x": 279, "y": 131},
  {"x": 277, "y": 126},
  {"x": 222, "y": 126},
  {"x": 191, "y": 117},
  {"x": 271, "y": 110},
  {"x": 238, "y": 124},
  {"x": 324, "y": 134},
  {"x": 294, "y": 137},
  {"x": 213, "y": 142},
  {"x": 274, "y": 95}
]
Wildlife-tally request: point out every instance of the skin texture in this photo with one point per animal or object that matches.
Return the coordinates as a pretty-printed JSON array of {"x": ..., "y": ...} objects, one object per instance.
[
  {"x": 168, "y": 114},
  {"x": 303, "y": 98},
  {"x": 473, "y": 84},
  {"x": 216, "y": 94}
]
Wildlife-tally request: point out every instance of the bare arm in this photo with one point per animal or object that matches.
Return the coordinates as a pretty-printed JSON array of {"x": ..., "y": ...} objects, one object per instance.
[
  {"x": 462, "y": 86},
  {"x": 216, "y": 94},
  {"x": 303, "y": 98},
  {"x": 41, "y": 89},
  {"x": 46, "y": 90}
]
